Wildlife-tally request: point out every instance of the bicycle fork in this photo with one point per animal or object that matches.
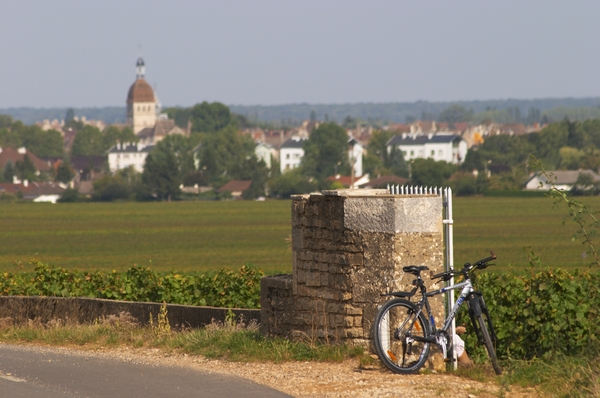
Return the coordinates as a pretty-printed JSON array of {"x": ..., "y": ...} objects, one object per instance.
[{"x": 477, "y": 308}]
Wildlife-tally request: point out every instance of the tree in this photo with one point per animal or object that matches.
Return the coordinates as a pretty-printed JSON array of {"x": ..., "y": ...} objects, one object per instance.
[
  {"x": 290, "y": 183},
  {"x": 256, "y": 171},
  {"x": 26, "y": 169},
  {"x": 428, "y": 172},
  {"x": 70, "y": 115},
  {"x": 9, "y": 138},
  {"x": 396, "y": 163},
  {"x": 349, "y": 122},
  {"x": 64, "y": 173},
  {"x": 88, "y": 141},
  {"x": 326, "y": 151},
  {"x": 181, "y": 116},
  {"x": 454, "y": 114},
  {"x": 70, "y": 195},
  {"x": 374, "y": 162},
  {"x": 210, "y": 118},
  {"x": 222, "y": 153},
  {"x": 5, "y": 121},
  {"x": 167, "y": 164},
  {"x": 465, "y": 184},
  {"x": 113, "y": 135},
  {"x": 570, "y": 158},
  {"x": 42, "y": 143},
  {"x": 110, "y": 188},
  {"x": 46, "y": 144},
  {"x": 9, "y": 171}
]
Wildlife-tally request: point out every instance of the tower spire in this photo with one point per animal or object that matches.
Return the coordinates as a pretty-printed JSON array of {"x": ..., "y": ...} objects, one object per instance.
[{"x": 140, "y": 68}]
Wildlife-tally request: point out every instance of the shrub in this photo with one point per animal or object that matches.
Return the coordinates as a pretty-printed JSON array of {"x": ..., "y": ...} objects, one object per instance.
[
  {"x": 540, "y": 314},
  {"x": 227, "y": 288}
]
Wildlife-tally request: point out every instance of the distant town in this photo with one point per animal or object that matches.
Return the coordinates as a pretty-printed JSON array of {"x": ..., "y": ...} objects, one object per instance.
[{"x": 209, "y": 152}]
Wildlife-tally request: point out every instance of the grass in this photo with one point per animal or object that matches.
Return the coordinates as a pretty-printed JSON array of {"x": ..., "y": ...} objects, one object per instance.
[
  {"x": 557, "y": 377},
  {"x": 207, "y": 236},
  {"x": 507, "y": 225},
  {"x": 230, "y": 340},
  {"x": 185, "y": 236}
]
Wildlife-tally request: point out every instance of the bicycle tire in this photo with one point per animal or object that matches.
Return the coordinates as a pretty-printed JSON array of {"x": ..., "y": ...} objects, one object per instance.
[
  {"x": 487, "y": 341},
  {"x": 394, "y": 323}
]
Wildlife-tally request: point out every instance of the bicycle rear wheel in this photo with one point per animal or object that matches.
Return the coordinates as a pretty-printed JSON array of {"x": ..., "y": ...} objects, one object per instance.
[
  {"x": 396, "y": 325},
  {"x": 487, "y": 341}
]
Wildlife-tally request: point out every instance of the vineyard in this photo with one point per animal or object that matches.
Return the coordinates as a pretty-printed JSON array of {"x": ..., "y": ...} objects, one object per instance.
[{"x": 195, "y": 237}]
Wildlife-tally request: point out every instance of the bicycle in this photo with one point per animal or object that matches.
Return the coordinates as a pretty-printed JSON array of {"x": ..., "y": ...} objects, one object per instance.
[{"x": 403, "y": 333}]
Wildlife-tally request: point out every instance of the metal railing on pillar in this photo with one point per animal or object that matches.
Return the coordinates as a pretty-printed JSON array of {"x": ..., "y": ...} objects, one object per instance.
[{"x": 448, "y": 222}]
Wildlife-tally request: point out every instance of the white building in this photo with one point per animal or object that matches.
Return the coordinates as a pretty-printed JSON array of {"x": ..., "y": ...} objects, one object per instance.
[
  {"x": 439, "y": 147},
  {"x": 263, "y": 152},
  {"x": 291, "y": 153},
  {"x": 355, "y": 155},
  {"x": 122, "y": 156},
  {"x": 563, "y": 180}
]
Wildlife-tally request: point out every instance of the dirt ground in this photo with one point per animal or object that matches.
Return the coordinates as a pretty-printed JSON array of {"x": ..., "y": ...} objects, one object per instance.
[{"x": 317, "y": 379}]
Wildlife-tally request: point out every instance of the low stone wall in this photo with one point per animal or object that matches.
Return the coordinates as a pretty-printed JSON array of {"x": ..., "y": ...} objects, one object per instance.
[
  {"x": 349, "y": 246},
  {"x": 22, "y": 309}
]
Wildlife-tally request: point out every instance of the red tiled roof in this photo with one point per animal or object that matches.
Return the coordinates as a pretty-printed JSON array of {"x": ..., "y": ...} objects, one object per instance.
[
  {"x": 461, "y": 126},
  {"x": 140, "y": 91},
  {"x": 382, "y": 182},
  {"x": 13, "y": 188},
  {"x": 14, "y": 156},
  {"x": 235, "y": 186}
]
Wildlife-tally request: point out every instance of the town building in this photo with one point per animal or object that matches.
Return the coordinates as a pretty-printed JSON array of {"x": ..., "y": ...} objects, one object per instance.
[
  {"x": 445, "y": 147},
  {"x": 142, "y": 105},
  {"x": 18, "y": 155},
  {"x": 291, "y": 153},
  {"x": 355, "y": 155},
  {"x": 162, "y": 128},
  {"x": 264, "y": 152},
  {"x": 122, "y": 156},
  {"x": 564, "y": 180}
]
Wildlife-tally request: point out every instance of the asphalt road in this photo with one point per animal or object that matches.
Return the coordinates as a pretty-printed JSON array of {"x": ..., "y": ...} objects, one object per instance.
[{"x": 33, "y": 372}]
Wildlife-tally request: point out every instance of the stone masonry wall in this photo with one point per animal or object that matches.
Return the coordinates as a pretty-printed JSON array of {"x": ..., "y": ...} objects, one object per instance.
[{"x": 349, "y": 246}]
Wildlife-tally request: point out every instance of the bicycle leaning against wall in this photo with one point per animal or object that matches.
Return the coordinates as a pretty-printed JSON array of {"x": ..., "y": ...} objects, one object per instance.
[{"x": 403, "y": 332}]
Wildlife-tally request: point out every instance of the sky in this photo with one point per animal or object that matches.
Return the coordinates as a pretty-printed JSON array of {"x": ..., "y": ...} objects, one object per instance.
[{"x": 73, "y": 53}]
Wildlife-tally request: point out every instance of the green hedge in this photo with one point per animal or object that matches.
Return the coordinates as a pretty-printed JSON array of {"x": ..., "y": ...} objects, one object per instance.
[
  {"x": 226, "y": 288},
  {"x": 537, "y": 314},
  {"x": 540, "y": 314}
]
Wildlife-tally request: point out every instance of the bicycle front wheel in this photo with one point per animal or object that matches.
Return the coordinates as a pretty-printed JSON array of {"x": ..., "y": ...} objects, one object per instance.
[
  {"x": 394, "y": 331},
  {"x": 487, "y": 341}
]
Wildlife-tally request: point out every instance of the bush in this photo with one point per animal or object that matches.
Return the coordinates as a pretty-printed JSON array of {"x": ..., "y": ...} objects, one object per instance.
[
  {"x": 226, "y": 288},
  {"x": 540, "y": 314},
  {"x": 70, "y": 195}
]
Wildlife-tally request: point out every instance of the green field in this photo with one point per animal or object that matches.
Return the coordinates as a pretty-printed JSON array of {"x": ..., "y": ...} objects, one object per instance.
[
  {"x": 184, "y": 236},
  {"x": 199, "y": 236}
]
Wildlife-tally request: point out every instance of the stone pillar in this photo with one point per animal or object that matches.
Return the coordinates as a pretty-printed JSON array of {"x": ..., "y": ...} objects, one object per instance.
[{"x": 349, "y": 246}]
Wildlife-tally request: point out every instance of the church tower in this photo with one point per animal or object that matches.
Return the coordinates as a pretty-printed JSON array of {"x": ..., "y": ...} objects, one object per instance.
[{"x": 141, "y": 102}]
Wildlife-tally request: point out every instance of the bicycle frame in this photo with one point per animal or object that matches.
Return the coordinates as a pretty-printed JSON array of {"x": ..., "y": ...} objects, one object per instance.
[
  {"x": 476, "y": 304},
  {"x": 467, "y": 289}
]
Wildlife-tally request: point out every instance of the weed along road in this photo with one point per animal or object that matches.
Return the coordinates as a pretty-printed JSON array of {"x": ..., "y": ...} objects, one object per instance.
[{"x": 34, "y": 372}]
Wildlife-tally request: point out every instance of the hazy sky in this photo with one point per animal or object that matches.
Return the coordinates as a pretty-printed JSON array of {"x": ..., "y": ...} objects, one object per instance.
[{"x": 82, "y": 53}]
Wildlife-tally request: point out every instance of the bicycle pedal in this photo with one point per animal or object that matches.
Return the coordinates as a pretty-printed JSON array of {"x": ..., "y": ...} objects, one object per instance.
[{"x": 447, "y": 360}]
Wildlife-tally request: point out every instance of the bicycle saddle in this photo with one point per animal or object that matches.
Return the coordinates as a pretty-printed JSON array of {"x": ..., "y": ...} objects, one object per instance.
[{"x": 414, "y": 269}]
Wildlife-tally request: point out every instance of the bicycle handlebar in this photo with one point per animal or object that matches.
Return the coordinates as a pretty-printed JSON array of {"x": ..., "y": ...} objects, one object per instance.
[
  {"x": 483, "y": 263},
  {"x": 486, "y": 260}
]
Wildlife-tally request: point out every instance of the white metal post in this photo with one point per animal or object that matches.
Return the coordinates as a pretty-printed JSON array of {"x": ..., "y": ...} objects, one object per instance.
[{"x": 449, "y": 224}]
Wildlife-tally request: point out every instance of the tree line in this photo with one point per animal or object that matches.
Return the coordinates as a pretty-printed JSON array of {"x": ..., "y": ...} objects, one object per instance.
[{"x": 216, "y": 152}]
